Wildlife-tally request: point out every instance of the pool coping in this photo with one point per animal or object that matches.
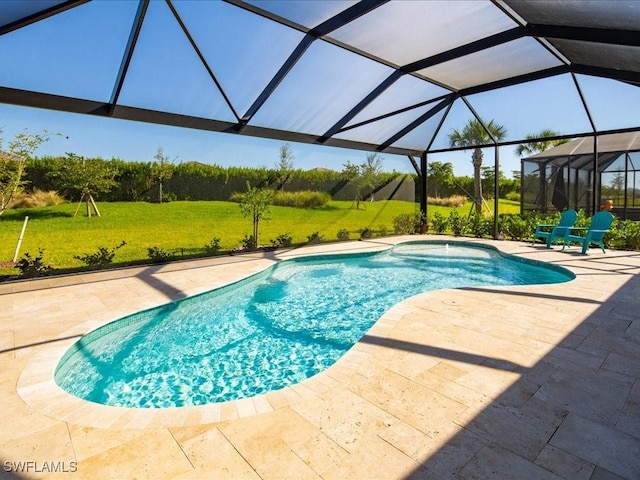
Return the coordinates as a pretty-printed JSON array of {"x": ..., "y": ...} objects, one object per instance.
[
  {"x": 467, "y": 383},
  {"x": 37, "y": 387}
]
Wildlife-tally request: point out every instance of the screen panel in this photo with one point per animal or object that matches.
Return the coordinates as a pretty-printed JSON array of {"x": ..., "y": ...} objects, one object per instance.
[
  {"x": 76, "y": 53},
  {"x": 403, "y": 32},
  {"x": 166, "y": 74},
  {"x": 321, "y": 88}
]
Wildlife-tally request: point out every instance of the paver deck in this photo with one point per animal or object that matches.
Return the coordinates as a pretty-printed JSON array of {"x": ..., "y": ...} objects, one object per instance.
[{"x": 499, "y": 382}]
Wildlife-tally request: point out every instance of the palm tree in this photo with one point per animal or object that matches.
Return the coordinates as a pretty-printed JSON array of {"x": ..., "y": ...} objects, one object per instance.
[
  {"x": 540, "y": 145},
  {"x": 473, "y": 134}
]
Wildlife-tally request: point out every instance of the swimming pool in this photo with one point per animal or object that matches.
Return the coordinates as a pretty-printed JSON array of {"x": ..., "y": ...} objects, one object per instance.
[{"x": 274, "y": 329}]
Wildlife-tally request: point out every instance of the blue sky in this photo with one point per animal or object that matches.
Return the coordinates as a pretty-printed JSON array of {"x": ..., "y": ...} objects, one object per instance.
[
  {"x": 78, "y": 53},
  {"x": 136, "y": 141},
  {"x": 107, "y": 138}
]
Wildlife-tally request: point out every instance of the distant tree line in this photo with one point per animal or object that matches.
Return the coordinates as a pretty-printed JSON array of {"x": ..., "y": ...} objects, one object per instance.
[
  {"x": 141, "y": 181},
  {"x": 146, "y": 181}
]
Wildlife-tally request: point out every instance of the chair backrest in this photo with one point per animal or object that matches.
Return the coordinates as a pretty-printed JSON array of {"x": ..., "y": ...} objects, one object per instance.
[
  {"x": 600, "y": 221},
  {"x": 568, "y": 218}
]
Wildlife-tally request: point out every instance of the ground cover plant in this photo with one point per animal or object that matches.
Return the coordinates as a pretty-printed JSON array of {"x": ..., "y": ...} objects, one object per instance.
[{"x": 183, "y": 229}]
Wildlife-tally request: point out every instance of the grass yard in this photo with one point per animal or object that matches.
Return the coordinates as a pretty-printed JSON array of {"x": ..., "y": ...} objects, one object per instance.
[{"x": 183, "y": 228}]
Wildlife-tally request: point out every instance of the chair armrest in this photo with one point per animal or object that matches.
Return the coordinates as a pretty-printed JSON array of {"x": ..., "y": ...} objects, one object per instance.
[{"x": 544, "y": 225}]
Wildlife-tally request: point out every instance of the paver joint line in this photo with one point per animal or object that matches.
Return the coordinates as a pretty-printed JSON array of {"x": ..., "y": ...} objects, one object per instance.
[{"x": 526, "y": 336}]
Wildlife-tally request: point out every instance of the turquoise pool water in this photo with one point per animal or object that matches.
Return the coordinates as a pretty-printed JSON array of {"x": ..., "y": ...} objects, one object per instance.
[{"x": 274, "y": 329}]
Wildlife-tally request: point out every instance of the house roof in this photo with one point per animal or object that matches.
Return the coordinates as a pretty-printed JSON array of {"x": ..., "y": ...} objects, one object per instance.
[
  {"x": 580, "y": 152},
  {"x": 378, "y": 75},
  {"x": 614, "y": 143}
]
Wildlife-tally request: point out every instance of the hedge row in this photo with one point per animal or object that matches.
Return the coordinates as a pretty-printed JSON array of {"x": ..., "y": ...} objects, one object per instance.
[{"x": 198, "y": 181}]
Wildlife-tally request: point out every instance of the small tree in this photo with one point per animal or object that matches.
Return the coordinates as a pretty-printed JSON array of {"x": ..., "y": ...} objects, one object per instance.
[
  {"x": 489, "y": 178},
  {"x": 14, "y": 162},
  {"x": 284, "y": 167},
  {"x": 371, "y": 170},
  {"x": 86, "y": 177},
  {"x": 351, "y": 174},
  {"x": 364, "y": 176},
  {"x": 255, "y": 203},
  {"x": 471, "y": 135},
  {"x": 618, "y": 184},
  {"x": 440, "y": 175},
  {"x": 161, "y": 170}
]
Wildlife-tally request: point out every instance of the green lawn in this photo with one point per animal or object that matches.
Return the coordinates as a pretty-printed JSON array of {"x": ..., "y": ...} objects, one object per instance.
[{"x": 183, "y": 228}]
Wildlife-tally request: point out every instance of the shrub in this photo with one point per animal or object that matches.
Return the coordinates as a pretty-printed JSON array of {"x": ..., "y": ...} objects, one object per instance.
[
  {"x": 236, "y": 197},
  {"x": 365, "y": 232},
  {"x": 382, "y": 230},
  {"x": 169, "y": 197},
  {"x": 513, "y": 196},
  {"x": 406, "y": 223},
  {"x": 452, "y": 201},
  {"x": 37, "y": 198},
  {"x": 158, "y": 255},
  {"x": 304, "y": 199},
  {"x": 439, "y": 223},
  {"x": 100, "y": 258},
  {"x": 631, "y": 235},
  {"x": 457, "y": 223},
  {"x": 623, "y": 234},
  {"x": 283, "y": 240},
  {"x": 315, "y": 237},
  {"x": 516, "y": 227},
  {"x": 581, "y": 221},
  {"x": 343, "y": 234},
  {"x": 615, "y": 235},
  {"x": 213, "y": 247},
  {"x": 479, "y": 225},
  {"x": 249, "y": 242},
  {"x": 33, "y": 266}
]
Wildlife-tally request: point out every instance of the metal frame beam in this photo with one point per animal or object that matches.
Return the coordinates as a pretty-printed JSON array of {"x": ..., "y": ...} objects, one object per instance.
[
  {"x": 395, "y": 112},
  {"x": 302, "y": 47},
  {"x": 469, "y": 48},
  {"x": 324, "y": 28},
  {"x": 508, "y": 82},
  {"x": 128, "y": 53},
  {"x": 585, "y": 34},
  {"x": 538, "y": 31},
  {"x": 452, "y": 54},
  {"x": 375, "y": 93},
  {"x": 496, "y": 191},
  {"x": 415, "y": 165},
  {"x": 621, "y": 75},
  {"x": 36, "y": 17},
  {"x": 424, "y": 167},
  {"x": 555, "y": 137},
  {"x": 195, "y": 47},
  {"x": 341, "y": 19},
  {"x": 417, "y": 122}
]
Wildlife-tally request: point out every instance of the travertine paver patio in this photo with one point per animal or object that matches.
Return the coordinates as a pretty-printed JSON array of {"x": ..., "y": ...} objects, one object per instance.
[{"x": 508, "y": 382}]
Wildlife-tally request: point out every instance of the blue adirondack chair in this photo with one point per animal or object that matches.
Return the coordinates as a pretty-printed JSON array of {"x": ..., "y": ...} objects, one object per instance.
[
  {"x": 556, "y": 232},
  {"x": 600, "y": 223}
]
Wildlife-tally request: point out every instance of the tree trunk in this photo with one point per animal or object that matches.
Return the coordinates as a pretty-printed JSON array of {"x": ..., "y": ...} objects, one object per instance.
[
  {"x": 256, "y": 221},
  {"x": 477, "y": 180}
]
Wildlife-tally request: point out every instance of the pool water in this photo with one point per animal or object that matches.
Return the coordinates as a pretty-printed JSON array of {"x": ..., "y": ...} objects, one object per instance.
[{"x": 274, "y": 329}]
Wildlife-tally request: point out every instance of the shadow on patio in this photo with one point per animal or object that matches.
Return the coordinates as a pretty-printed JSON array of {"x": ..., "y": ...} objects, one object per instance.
[{"x": 574, "y": 413}]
